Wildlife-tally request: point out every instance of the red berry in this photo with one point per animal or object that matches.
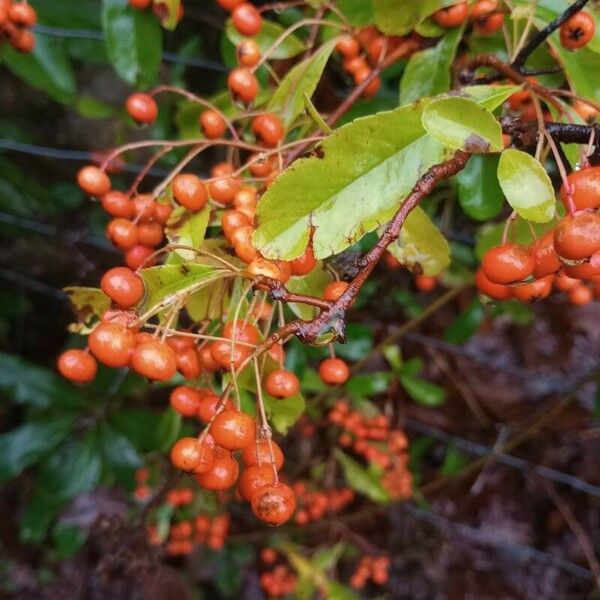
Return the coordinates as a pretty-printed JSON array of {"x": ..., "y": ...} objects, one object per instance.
[
  {"x": 372, "y": 88},
  {"x": 282, "y": 384},
  {"x": 144, "y": 208},
  {"x": 142, "y": 108},
  {"x": 189, "y": 455},
  {"x": 228, "y": 356},
  {"x": 150, "y": 234},
  {"x": 185, "y": 400},
  {"x": 122, "y": 233},
  {"x": 334, "y": 371},
  {"x": 243, "y": 85},
  {"x": 507, "y": 263},
  {"x": 222, "y": 474},
  {"x": 137, "y": 257},
  {"x": 452, "y": 16},
  {"x": 580, "y": 295},
  {"x": 274, "y": 504},
  {"x": 304, "y": 264},
  {"x": 577, "y": 236},
  {"x": 241, "y": 331},
  {"x": 577, "y": 31},
  {"x": 162, "y": 212},
  {"x": 248, "y": 53},
  {"x": 93, "y": 181},
  {"x": 22, "y": 40},
  {"x": 224, "y": 189},
  {"x": 232, "y": 220},
  {"x": 22, "y": 15},
  {"x": 253, "y": 479},
  {"x": 486, "y": 25},
  {"x": 213, "y": 124},
  {"x": 246, "y": 19},
  {"x": 154, "y": 360},
  {"x": 252, "y": 453},
  {"x": 496, "y": 291},
  {"x": 190, "y": 191},
  {"x": 348, "y": 47},
  {"x": 269, "y": 129},
  {"x": 208, "y": 406},
  {"x": 140, "y": 4},
  {"x": 117, "y": 204},
  {"x": 268, "y": 268},
  {"x": 536, "y": 290},
  {"x": 334, "y": 290},
  {"x": 585, "y": 188},
  {"x": 233, "y": 430},
  {"x": 77, "y": 365},
  {"x": 229, "y": 4},
  {"x": 425, "y": 283},
  {"x": 188, "y": 363},
  {"x": 544, "y": 255},
  {"x": 123, "y": 286},
  {"x": 112, "y": 344}
]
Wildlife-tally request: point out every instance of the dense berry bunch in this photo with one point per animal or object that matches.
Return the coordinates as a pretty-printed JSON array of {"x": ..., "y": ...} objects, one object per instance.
[
  {"x": 16, "y": 21},
  {"x": 486, "y": 16},
  {"x": 315, "y": 504},
  {"x": 278, "y": 579},
  {"x": 371, "y": 568}
]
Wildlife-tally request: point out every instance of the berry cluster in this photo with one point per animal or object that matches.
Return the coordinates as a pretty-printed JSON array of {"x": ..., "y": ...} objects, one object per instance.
[
  {"x": 16, "y": 20},
  {"x": 485, "y": 16},
  {"x": 567, "y": 256},
  {"x": 374, "y": 440},
  {"x": 279, "y": 580},
  {"x": 314, "y": 504},
  {"x": 373, "y": 568}
]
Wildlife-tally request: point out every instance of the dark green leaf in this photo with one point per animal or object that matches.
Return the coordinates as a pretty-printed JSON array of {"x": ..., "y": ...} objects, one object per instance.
[
  {"x": 284, "y": 413},
  {"x": 369, "y": 384},
  {"x": 454, "y": 461},
  {"x": 423, "y": 392},
  {"x": 40, "y": 512},
  {"x": 358, "y": 12},
  {"x": 187, "y": 229},
  {"x": 467, "y": 324},
  {"x": 359, "y": 342},
  {"x": 68, "y": 539},
  {"x": 27, "y": 444},
  {"x": 140, "y": 427},
  {"x": 134, "y": 42},
  {"x": 365, "y": 481},
  {"x": 479, "y": 192},
  {"x": 168, "y": 429},
  {"x": 398, "y": 17},
  {"x": 119, "y": 454}
]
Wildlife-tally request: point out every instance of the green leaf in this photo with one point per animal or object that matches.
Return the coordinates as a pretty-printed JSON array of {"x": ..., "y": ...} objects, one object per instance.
[
  {"x": 169, "y": 426},
  {"x": 454, "y": 461},
  {"x": 75, "y": 467},
  {"x": 578, "y": 68},
  {"x": 119, "y": 454},
  {"x": 365, "y": 481},
  {"x": 187, "y": 229},
  {"x": 421, "y": 244},
  {"x": 32, "y": 385},
  {"x": 428, "y": 72},
  {"x": 526, "y": 186},
  {"x": 312, "y": 284},
  {"x": 93, "y": 108},
  {"x": 27, "y": 444},
  {"x": 301, "y": 80},
  {"x": 133, "y": 40},
  {"x": 166, "y": 280},
  {"x": 342, "y": 197},
  {"x": 284, "y": 413},
  {"x": 88, "y": 304},
  {"x": 399, "y": 17},
  {"x": 47, "y": 68},
  {"x": 369, "y": 384},
  {"x": 358, "y": 12},
  {"x": 490, "y": 96},
  {"x": 479, "y": 192},
  {"x": 463, "y": 124},
  {"x": 139, "y": 426},
  {"x": 490, "y": 235},
  {"x": 359, "y": 342},
  {"x": 170, "y": 19},
  {"x": 40, "y": 512},
  {"x": 467, "y": 324},
  {"x": 423, "y": 392},
  {"x": 68, "y": 539},
  {"x": 266, "y": 37}
]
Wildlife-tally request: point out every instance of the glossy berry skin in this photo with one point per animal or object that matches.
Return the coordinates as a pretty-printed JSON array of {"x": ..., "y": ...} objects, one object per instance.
[
  {"x": 483, "y": 8},
  {"x": 246, "y": 19},
  {"x": 425, "y": 283},
  {"x": 123, "y": 286},
  {"x": 22, "y": 15},
  {"x": 144, "y": 208},
  {"x": 224, "y": 189},
  {"x": 122, "y": 233},
  {"x": 536, "y": 290},
  {"x": 93, "y": 181},
  {"x": 253, "y": 479},
  {"x": 585, "y": 270},
  {"x": 544, "y": 255},
  {"x": 190, "y": 191},
  {"x": 228, "y": 356},
  {"x": 261, "y": 165},
  {"x": 577, "y": 31},
  {"x": 154, "y": 360},
  {"x": 496, "y": 291},
  {"x": 142, "y": 108},
  {"x": 243, "y": 85},
  {"x": 233, "y": 430},
  {"x": 252, "y": 452},
  {"x": 23, "y": 41},
  {"x": 274, "y": 504},
  {"x": 564, "y": 283},
  {"x": 577, "y": 236},
  {"x": 208, "y": 405},
  {"x": 150, "y": 234},
  {"x": 452, "y": 16},
  {"x": 112, "y": 344},
  {"x": 241, "y": 240},
  {"x": 162, "y": 212},
  {"x": 185, "y": 400},
  {"x": 334, "y": 371},
  {"x": 304, "y": 264},
  {"x": 580, "y": 295},
  {"x": 282, "y": 384},
  {"x": 140, "y": 4},
  {"x": 188, "y": 363},
  {"x": 507, "y": 263},
  {"x": 222, "y": 474},
  {"x": 334, "y": 290},
  {"x": 585, "y": 188},
  {"x": 190, "y": 456},
  {"x": 229, "y": 4},
  {"x": 268, "y": 268},
  {"x": 247, "y": 53},
  {"x": 78, "y": 366},
  {"x": 372, "y": 88},
  {"x": 348, "y": 47},
  {"x": 207, "y": 362},
  {"x": 242, "y": 332},
  {"x": 269, "y": 129},
  {"x": 138, "y": 257},
  {"x": 213, "y": 125},
  {"x": 117, "y": 204},
  {"x": 232, "y": 220}
]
